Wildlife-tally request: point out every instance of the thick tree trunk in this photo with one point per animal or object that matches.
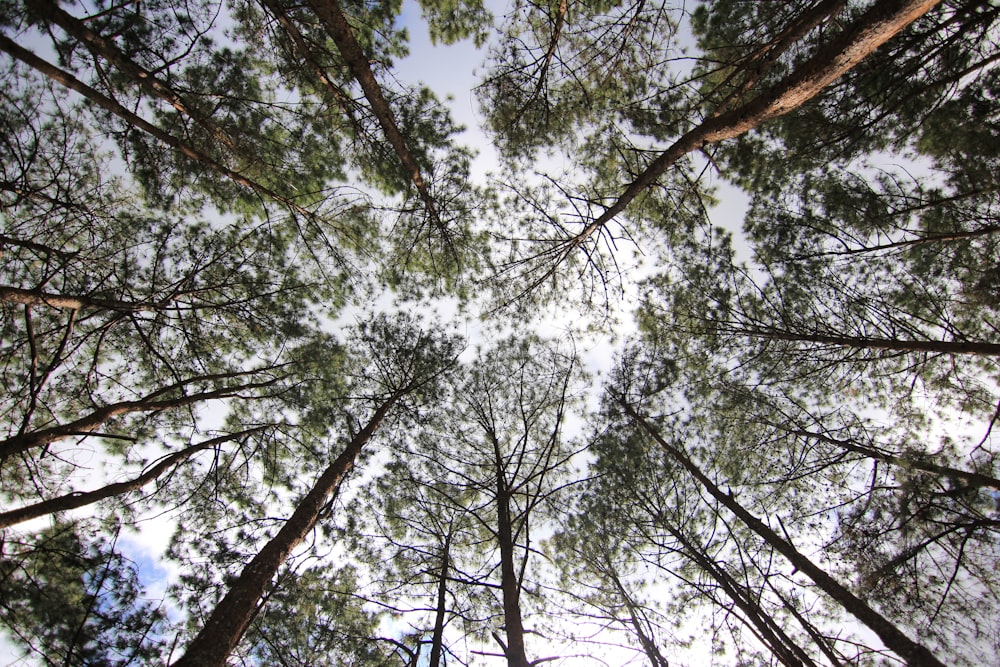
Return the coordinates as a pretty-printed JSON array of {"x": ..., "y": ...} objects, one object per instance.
[
  {"x": 75, "y": 500},
  {"x": 231, "y": 617},
  {"x": 913, "y": 653},
  {"x": 37, "y": 297},
  {"x": 878, "y": 25},
  {"x": 509, "y": 584}
]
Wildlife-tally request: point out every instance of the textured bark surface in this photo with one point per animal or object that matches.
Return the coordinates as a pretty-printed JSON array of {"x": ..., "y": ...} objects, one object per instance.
[
  {"x": 877, "y": 26},
  {"x": 332, "y": 16},
  {"x": 231, "y": 617}
]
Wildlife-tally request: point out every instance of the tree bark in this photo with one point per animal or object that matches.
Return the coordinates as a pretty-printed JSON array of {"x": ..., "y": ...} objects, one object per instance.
[
  {"x": 878, "y": 25},
  {"x": 437, "y": 638},
  {"x": 232, "y": 615},
  {"x": 913, "y": 653},
  {"x": 333, "y": 19},
  {"x": 81, "y": 499},
  {"x": 510, "y": 586},
  {"x": 37, "y": 297}
]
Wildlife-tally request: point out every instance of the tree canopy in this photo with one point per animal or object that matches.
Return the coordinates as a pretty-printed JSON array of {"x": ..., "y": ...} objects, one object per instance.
[{"x": 289, "y": 380}]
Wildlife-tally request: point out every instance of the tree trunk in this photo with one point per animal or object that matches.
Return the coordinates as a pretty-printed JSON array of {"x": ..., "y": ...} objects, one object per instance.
[
  {"x": 913, "y": 653},
  {"x": 649, "y": 646},
  {"x": 515, "y": 651},
  {"x": 437, "y": 639},
  {"x": 37, "y": 297},
  {"x": 232, "y": 615},
  {"x": 769, "y": 632},
  {"x": 86, "y": 425},
  {"x": 332, "y": 16},
  {"x": 106, "y": 49},
  {"x": 879, "y": 24},
  {"x": 81, "y": 499}
]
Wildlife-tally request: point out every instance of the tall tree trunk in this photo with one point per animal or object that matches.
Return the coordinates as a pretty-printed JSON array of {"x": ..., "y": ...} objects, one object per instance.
[
  {"x": 884, "y": 20},
  {"x": 78, "y": 499},
  {"x": 437, "y": 638},
  {"x": 913, "y": 653},
  {"x": 509, "y": 584},
  {"x": 332, "y": 16},
  {"x": 649, "y": 647},
  {"x": 232, "y": 615}
]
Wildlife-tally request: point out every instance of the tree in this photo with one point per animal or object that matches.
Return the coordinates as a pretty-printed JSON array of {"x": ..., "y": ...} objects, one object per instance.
[
  {"x": 894, "y": 638},
  {"x": 406, "y": 364},
  {"x": 833, "y": 59},
  {"x": 462, "y": 499},
  {"x": 208, "y": 209},
  {"x": 70, "y": 600}
]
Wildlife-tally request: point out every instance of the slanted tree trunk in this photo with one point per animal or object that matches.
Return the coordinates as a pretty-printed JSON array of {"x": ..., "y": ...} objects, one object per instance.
[
  {"x": 232, "y": 615},
  {"x": 783, "y": 647},
  {"x": 649, "y": 647},
  {"x": 974, "y": 479},
  {"x": 884, "y": 20},
  {"x": 333, "y": 19},
  {"x": 88, "y": 424},
  {"x": 913, "y": 653},
  {"x": 75, "y": 500},
  {"x": 142, "y": 78},
  {"x": 37, "y": 297}
]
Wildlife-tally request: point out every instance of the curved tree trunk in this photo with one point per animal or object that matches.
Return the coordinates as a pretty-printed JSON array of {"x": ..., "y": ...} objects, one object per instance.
[{"x": 72, "y": 501}]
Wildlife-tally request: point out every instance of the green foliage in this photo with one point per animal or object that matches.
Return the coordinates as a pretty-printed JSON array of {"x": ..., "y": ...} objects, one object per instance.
[
  {"x": 450, "y": 21},
  {"x": 69, "y": 598},
  {"x": 202, "y": 208}
]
